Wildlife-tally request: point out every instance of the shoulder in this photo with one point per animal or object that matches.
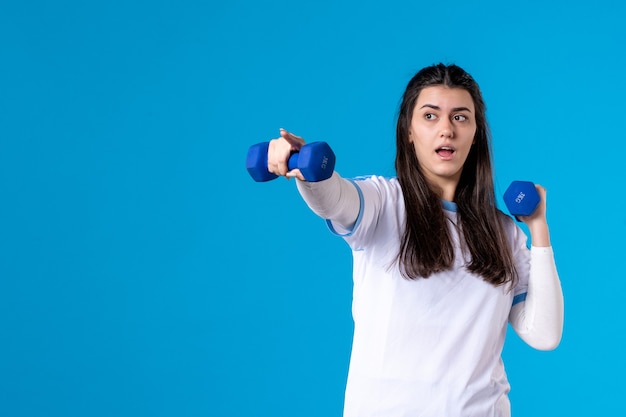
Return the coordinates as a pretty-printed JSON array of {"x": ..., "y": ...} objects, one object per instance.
[
  {"x": 379, "y": 191},
  {"x": 377, "y": 179},
  {"x": 507, "y": 221},
  {"x": 386, "y": 185},
  {"x": 381, "y": 210},
  {"x": 516, "y": 235}
]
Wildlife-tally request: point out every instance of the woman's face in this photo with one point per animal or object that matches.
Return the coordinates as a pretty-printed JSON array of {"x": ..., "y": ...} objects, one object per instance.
[{"x": 442, "y": 133}]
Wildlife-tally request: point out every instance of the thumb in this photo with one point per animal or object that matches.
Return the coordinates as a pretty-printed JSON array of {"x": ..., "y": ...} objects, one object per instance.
[{"x": 296, "y": 141}]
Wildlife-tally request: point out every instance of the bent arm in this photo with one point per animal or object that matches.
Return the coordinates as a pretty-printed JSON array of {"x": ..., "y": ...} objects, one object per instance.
[
  {"x": 539, "y": 319},
  {"x": 334, "y": 199}
]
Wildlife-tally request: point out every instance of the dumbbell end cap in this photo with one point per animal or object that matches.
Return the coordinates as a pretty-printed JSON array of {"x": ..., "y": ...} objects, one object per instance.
[
  {"x": 521, "y": 198},
  {"x": 256, "y": 163},
  {"x": 316, "y": 161}
]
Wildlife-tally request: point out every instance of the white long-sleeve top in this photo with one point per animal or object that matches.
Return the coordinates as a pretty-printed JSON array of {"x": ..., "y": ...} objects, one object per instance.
[{"x": 430, "y": 347}]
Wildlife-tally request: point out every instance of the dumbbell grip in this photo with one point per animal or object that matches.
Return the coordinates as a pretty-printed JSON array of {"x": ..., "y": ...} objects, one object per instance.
[
  {"x": 292, "y": 163},
  {"x": 316, "y": 162}
]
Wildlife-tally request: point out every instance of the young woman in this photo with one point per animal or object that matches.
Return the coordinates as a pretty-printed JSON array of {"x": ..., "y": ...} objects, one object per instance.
[{"x": 439, "y": 271}]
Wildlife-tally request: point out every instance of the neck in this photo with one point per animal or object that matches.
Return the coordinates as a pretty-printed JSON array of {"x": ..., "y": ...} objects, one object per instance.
[
  {"x": 446, "y": 190},
  {"x": 448, "y": 193},
  {"x": 444, "y": 186}
]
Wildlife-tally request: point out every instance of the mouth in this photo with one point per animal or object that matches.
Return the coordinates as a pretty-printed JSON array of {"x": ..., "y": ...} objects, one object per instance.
[{"x": 445, "y": 152}]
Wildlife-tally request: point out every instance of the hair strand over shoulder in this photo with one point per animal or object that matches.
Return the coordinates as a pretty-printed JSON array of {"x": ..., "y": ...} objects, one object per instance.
[{"x": 426, "y": 244}]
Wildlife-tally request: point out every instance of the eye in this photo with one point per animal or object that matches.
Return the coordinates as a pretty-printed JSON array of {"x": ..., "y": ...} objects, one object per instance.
[
  {"x": 460, "y": 117},
  {"x": 430, "y": 116}
]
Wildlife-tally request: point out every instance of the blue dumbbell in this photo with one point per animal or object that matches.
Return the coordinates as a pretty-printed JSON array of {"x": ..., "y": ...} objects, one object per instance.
[
  {"x": 521, "y": 198},
  {"x": 315, "y": 160}
]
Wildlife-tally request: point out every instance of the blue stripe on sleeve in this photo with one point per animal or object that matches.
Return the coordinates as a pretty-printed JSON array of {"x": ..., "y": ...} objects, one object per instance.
[
  {"x": 358, "y": 219},
  {"x": 519, "y": 298}
]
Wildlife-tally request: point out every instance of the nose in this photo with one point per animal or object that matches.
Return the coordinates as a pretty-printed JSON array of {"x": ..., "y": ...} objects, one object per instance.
[{"x": 446, "y": 129}]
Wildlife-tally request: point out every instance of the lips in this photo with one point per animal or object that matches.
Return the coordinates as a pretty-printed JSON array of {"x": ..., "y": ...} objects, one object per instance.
[{"x": 445, "y": 152}]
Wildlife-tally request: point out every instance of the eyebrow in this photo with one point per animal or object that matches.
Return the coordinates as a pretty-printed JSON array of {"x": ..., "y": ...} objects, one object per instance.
[{"x": 454, "y": 109}]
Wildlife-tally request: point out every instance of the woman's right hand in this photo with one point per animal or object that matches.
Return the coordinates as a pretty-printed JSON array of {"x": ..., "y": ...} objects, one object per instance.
[{"x": 279, "y": 151}]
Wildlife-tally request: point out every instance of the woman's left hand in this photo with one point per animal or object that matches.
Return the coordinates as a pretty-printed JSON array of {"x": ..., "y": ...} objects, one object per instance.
[{"x": 537, "y": 222}]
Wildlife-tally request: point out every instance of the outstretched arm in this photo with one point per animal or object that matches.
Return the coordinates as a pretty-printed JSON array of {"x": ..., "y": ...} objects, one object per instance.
[
  {"x": 334, "y": 199},
  {"x": 539, "y": 319}
]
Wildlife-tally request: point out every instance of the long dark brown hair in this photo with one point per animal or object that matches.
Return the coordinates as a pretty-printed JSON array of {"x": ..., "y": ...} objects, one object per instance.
[{"x": 426, "y": 246}]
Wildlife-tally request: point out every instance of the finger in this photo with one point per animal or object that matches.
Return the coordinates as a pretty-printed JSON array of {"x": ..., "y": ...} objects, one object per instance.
[
  {"x": 540, "y": 211},
  {"x": 280, "y": 157},
  {"x": 277, "y": 156},
  {"x": 541, "y": 190},
  {"x": 295, "y": 173},
  {"x": 542, "y": 195}
]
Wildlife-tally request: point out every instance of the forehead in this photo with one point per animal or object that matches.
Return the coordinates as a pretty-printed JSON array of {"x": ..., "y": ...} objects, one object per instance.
[{"x": 445, "y": 98}]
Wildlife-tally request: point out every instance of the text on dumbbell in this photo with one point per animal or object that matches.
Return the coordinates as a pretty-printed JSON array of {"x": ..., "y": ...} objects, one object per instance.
[{"x": 520, "y": 197}]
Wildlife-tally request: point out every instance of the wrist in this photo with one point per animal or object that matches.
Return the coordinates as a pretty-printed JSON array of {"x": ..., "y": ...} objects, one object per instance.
[{"x": 539, "y": 234}]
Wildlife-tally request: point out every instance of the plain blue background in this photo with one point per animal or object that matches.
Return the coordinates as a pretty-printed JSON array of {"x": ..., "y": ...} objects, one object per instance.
[{"x": 143, "y": 273}]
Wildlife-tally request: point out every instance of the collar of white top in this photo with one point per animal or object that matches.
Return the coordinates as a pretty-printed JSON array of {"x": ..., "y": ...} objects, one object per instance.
[{"x": 449, "y": 206}]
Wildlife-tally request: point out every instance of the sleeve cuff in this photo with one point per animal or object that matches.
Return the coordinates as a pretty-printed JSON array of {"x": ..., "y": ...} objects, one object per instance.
[{"x": 541, "y": 250}]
